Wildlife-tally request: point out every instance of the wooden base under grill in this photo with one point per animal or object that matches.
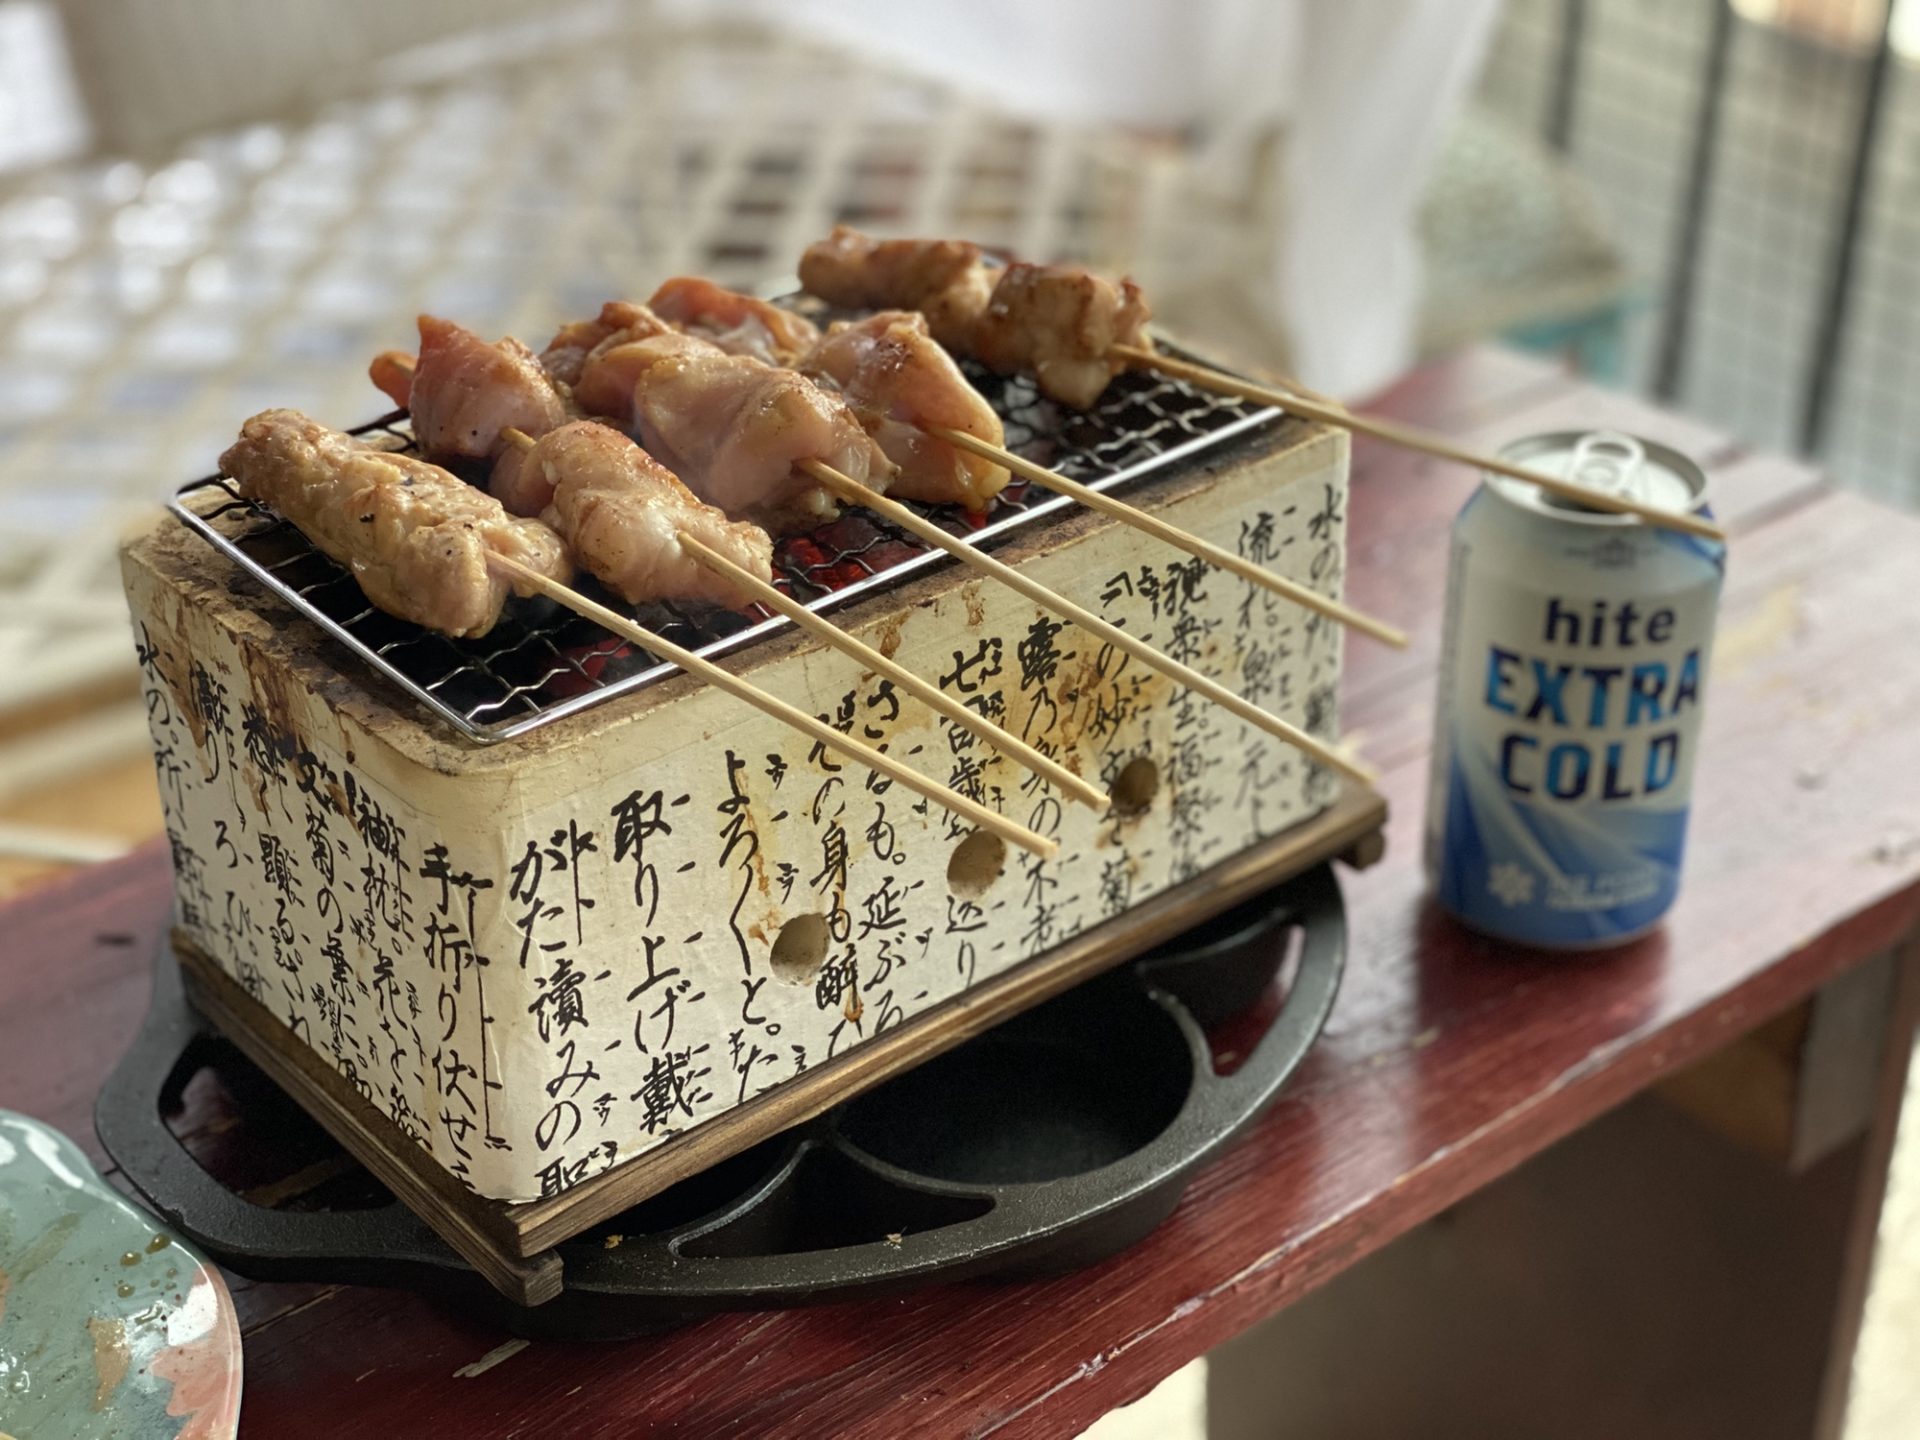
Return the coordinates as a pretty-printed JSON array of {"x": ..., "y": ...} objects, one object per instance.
[{"x": 513, "y": 1244}]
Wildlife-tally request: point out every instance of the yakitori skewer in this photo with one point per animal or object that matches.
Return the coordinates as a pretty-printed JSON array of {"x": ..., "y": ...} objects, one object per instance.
[
  {"x": 771, "y": 705},
  {"x": 851, "y": 490},
  {"x": 906, "y": 389},
  {"x": 1409, "y": 438},
  {"x": 1074, "y": 331},
  {"x": 747, "y": 583},
  {"x": 415, "y": 538},
  {"x": 701, "y": 457},
  {"x": 1173, "y": 535},
  {"x": 636, "y": 363}
]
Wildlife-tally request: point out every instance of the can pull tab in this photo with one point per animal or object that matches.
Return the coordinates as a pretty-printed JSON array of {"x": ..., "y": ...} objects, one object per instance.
[{"x": 1609, "y": 462}]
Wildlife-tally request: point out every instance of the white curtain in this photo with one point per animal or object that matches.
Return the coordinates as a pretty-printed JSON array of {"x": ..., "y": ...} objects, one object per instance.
[{"x": 1360, "y": 92}]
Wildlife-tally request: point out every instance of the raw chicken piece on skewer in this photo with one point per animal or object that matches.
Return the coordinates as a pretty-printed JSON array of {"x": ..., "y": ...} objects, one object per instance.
[
  {"x": 622, "y": 513},
  {"x": 737, "y": 430},
  {"x": 677, "y": 531},
  {"x": 496, "y": 388},
  {"x": 899, "y": 382},
  {"x": 903, "y": 386},
  {"x": 461, "y": 391},
  {"x": 619, "y": 321},
  {"x": 945, "y": 280},
  {"x": 1059, "y": 322},
  {"x": 416, "y": 538},
  {"x": 739, "y": 324},
  {"x": 888, "y": 367},
  {"x": 1076, "y": 330},
  {"x": 617, "y": 508}
]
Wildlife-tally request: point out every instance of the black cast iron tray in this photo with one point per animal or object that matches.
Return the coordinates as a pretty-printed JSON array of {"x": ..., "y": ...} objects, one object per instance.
[{"x": 1050, "y": 1142}]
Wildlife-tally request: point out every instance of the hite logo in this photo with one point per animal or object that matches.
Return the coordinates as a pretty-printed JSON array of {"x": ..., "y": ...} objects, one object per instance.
[{"x": 1619, "y": 712}]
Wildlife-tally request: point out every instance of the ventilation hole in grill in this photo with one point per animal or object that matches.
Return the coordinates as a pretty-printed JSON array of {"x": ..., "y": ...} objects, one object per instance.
[
  {"x": 799, "y": 948},
  {"x": 1135, "y": 786},
  {"x": 976, "y": 863}
]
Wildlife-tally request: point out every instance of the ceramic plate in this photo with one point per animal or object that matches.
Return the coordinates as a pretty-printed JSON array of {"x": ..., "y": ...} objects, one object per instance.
[{"x": 110, "y": 1327}]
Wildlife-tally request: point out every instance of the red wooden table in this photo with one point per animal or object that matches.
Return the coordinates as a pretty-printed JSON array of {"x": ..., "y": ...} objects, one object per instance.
[{"x": 1449, "y": 1063}]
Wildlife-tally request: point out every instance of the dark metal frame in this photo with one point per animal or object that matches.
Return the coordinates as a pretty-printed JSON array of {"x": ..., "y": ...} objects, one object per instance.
[
  {"x": 872, "y": 1197},
  {"x": 1705, "y": 145}
]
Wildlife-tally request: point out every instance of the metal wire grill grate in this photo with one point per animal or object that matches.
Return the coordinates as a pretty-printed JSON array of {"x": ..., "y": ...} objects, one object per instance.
[{"x": 541, "y": 662}]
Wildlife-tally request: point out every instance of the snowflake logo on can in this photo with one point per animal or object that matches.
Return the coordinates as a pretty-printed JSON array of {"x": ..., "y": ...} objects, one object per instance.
[{"x": 1510, "y": 884}]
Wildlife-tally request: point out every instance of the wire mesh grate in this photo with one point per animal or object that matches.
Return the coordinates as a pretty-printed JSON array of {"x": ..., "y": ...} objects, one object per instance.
[{"x": 542, "y": 662}]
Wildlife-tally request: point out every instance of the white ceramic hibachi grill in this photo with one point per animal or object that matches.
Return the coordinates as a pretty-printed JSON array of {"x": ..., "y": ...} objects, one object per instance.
[{"x": 554, "y": 913}]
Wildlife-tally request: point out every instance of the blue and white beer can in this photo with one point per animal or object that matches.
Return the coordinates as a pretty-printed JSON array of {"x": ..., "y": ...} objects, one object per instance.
[{"x": 1572, "y": 677}]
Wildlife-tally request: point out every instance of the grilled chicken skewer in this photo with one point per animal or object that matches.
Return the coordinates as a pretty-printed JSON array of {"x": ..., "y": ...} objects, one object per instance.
[
  {"x": 730, "y": 424},
  {"x": 738, "y": 428},
  {"x": 895, "y": 379},
  {"x": 939, "y": 433},
  {"x": 461, "y": 391},
  {"x": 852, "y": 489},
  {"x": 911, "y": 397},
  {"x": 618, "y": 510},
  {"x": 887, "y": 368},
  {"x": 933, "y": 424},
  {"x": 624, "y": 515},
  {"x": 1076, "y": 330},
  {"x": 417, "y": 539},
  {"x": 1059, "y": 322},
  {"x": 560, "y": 452}
]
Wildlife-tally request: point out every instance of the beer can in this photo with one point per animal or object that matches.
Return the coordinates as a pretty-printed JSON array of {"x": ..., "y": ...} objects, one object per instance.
[{"x": 1572, "y": 676}]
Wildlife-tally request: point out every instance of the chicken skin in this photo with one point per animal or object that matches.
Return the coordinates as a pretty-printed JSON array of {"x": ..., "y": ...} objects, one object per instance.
[
  {"x": 735, "y": 429},
  {"x": 1060, "y": 323},
  {"x": 739, "y": 324},
  {"x": 622, "y": 512},
  {"x": 415, "y": 537},
  {"x": 945, "y": 280},
  {"x": 462, "y": 392},
  {"x": 898, "y": 381}
]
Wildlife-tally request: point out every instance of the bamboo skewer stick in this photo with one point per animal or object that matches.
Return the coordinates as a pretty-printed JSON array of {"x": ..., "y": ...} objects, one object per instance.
[
  {"x": 778, "y": 709},
  {"x": 1175, "y": 536},
  {"x": 1409, "y": 438},
  {"x": 1152, "y": 524},
  {"x": 832, "y": 634},
  {"x": 1054, "y": 772},
  {"x": 847, "y": 488}
]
